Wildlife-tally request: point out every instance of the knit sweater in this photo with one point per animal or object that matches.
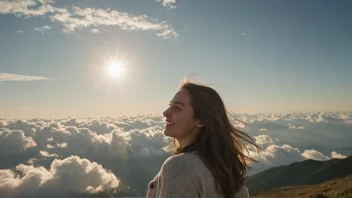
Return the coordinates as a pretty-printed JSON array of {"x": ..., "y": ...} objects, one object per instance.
[{"x": 185, "y": 175}]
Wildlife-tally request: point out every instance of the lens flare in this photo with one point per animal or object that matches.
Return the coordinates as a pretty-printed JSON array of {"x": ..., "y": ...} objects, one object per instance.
[{"x": 115, "y": 69}]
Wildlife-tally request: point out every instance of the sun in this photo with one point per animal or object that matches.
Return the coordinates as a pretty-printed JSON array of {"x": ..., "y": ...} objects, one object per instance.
[{"x": 115, "y": 69}]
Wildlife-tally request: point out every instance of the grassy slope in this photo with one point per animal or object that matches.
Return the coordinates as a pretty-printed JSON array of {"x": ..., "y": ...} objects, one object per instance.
[{"x": 340, "y": 187}]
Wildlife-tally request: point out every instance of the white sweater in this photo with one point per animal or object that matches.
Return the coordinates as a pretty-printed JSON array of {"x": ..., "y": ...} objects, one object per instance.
[{"x": 185, "y": 175}]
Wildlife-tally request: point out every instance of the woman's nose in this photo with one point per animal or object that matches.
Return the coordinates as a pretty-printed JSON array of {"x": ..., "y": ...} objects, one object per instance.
[{"x": 166, "y": 113}]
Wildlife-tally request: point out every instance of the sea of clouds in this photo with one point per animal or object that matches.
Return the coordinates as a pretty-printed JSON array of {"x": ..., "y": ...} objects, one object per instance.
[{"x": 93, "y": 155}]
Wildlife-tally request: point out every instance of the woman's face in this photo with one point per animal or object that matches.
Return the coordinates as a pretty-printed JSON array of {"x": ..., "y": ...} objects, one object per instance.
[{"x": 180, "y": 123}]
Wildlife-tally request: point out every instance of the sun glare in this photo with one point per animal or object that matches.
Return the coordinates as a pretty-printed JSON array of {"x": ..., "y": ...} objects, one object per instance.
[{"x": 115, "y": 69}]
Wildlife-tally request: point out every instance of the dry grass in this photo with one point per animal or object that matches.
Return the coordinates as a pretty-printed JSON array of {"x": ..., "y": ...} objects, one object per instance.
[{"x": 341, "y": 187}]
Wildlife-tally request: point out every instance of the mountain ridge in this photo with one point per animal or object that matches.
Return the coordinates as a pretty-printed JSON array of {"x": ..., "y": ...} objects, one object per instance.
[{"x": 300, "y": 173}]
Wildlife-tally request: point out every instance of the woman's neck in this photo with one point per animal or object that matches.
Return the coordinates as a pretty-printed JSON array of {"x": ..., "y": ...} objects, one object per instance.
[{"x": 191, "y": 146}]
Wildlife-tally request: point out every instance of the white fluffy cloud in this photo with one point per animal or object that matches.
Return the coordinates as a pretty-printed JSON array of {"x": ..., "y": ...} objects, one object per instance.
[
  {"x": 71, "y": 174},
  {"x": 14, "y": 141},
  {"x": 3, "y": 123},
  {"x": 262, "y": 140},
  {"x": 78, "y": 18},
  {"x": 170, "y": 4},
  {"x": 62, "y": 145},
  {"x": 46, "y": 154},
  {"x": 337, "y": 155},
  {"x": 313, "y": 154}
]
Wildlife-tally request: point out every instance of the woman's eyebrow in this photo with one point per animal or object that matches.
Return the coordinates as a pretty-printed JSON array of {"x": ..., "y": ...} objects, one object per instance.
[{"x": 177, "y": 102}]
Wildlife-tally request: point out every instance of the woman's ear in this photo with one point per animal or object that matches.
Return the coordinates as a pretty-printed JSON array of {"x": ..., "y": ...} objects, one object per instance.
[{"x": 199, "y": 123}]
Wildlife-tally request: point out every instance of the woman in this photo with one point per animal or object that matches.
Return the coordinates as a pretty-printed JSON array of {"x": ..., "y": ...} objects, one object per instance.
[{"x": 208, "y": 160}]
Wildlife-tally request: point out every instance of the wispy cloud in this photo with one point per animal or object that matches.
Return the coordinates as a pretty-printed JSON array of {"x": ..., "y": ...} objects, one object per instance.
[
  {"x": 17, "y": 77},
  {"x": 18, "y": 32},
  {"x": 78, "y": 18},
  {"x": 246, "y": 33},
  {"x": 94, "y": 31},
  {"x": 41, "y": 30},
  {"x": 86, "y": 17},
  {"x": 28, "y": 8}
]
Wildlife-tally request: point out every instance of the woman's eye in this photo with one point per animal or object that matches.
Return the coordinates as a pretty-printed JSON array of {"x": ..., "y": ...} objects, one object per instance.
[{"x": 175, "y": 107}]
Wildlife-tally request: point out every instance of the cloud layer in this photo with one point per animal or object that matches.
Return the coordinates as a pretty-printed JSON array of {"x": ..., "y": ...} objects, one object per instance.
[
  {"x": 275, "y": 154},
  {"x": 132, "y": 149}
]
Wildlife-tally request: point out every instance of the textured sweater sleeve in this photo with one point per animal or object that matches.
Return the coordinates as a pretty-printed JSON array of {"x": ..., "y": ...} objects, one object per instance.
[{"x": 178, "y": 179}]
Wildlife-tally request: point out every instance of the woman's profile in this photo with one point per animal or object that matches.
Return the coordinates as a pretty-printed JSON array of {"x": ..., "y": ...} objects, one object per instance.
[{"x": 208, "y": 160}]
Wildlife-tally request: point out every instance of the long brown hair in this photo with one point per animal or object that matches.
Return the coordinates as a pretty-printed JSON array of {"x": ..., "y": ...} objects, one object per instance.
[{"x": 219, "y": 143}]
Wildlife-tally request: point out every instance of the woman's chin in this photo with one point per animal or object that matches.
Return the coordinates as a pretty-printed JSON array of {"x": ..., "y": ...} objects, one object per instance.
[{"x": 167, "y": 132}]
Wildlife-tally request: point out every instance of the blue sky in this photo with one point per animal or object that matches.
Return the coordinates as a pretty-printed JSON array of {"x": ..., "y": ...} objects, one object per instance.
[{"x": 262, "y": 56}]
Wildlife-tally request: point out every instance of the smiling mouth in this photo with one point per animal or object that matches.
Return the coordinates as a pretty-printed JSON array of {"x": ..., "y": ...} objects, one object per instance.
[{"x": 168, "y": 123}]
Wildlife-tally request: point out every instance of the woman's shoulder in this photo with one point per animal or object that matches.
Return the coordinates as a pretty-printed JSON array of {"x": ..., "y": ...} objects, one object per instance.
[
  {"x": 185, "y": 161},
  {"x": 182, "y": 158},
  {"x": 242, "y": 193}
]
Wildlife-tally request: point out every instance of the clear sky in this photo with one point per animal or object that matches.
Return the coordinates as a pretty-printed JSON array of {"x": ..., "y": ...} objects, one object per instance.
[{"x": 263, "y": 56}]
